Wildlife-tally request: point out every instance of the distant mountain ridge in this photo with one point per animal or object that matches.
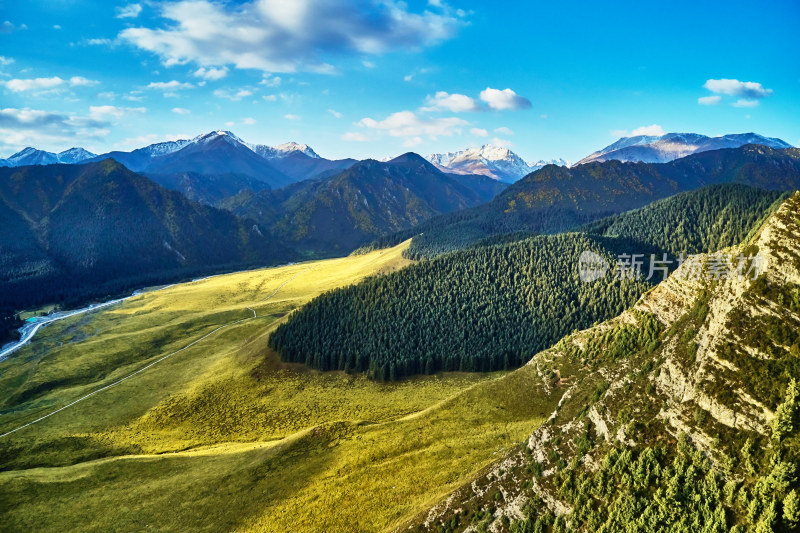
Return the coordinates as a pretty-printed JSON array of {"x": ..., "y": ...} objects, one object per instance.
[
  {"x": 362, "y": 202},
  {"x": 197, "y": 167},
  {"x": 496, "y": 162},
  {"x": 32, "y": 156},
  {"x": 556, "y": 198},
  {"x": 671, "y": 146}
]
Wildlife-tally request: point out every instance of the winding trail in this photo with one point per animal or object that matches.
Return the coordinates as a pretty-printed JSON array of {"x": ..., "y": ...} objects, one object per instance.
[{"x": 110, "y": 385}]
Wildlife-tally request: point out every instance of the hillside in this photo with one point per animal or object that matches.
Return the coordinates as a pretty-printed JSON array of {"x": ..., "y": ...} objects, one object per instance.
[
  {"x": 705, "y": 220},
  {"x": 78, "y": 230},
  {"x": 680, "y": 414},
  {"x": 490, "y": 307},
  {"x": 299, "y": 166},
  {"x": 339, "y": 213},
  {"x": 556, "y": 198}
]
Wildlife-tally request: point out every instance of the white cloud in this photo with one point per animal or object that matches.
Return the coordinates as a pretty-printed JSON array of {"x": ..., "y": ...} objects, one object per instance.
[
  {"x": 107, "y": 112},
  {"x": 130, "y": 11},
  {"x": 32, "y": 127},
  {"x": 180, "y": 111},
  {"x": 47, "y": 84},
  {"x": 354, "y": 136},
  {"x": 479, "y": 132},
  {"x": 744, "y": 102},
  {"x": 56, "y": 26},
  {"x": 289, "y": 116},
  {"x": 232, "y": 96},
  {"x": 80, "y": 81},
  {"x": 368, "y": 64},
  {"x": 98, "y": 42},
  {"x": 5, "y": 60},
  {"x": 249, "y": 121},
  {"x": 709, "y": 100},
  {"x": 335, "y": 113},
  {"x": 502, "y": 130},
  {"x": 412, "y": 141},
  {"x": 745, "y": 89},
  {"x": 34, "y": 84},
  {"x": 269, "y": 97},
  {"x": 230, "y": 123},
  {"x": 9, "y": 27},
  {"x": 268, "y": 81},
  {"x": 456, "y": 103},
  {"x": 503, "y": 100},
  {"x": 654, "y": 130},
  {"x": 408, "y": 124},
  {"x": 211, "y": 73},
  {"x": 288, "y": 35},
  {"x": 173, "y": 85}
]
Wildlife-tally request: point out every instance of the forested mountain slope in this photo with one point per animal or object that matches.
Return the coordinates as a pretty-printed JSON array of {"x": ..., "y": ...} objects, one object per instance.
[
  {"x": 679, "y": 415},
  {"x": 369, "y": 199},
  {"x": 556, "y": 198},
  {"x": 490, "y": 307},
  {"x": 483, "y": 309},
  {"x": 69, "y": 229},
  {"x": 705, "y": 220}
]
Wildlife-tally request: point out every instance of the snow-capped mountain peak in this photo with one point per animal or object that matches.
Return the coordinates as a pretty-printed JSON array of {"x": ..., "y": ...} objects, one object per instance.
[
  {"x": 32, "y": 156},
  {"x": 671, "y": 146},
  {"x": 163, "y": 148},
  {"x": 497, "y": 162},
  {"x": 74, "y": 155},
  {"x": 214, "y": 135},
  {"x": 282, "y": 150},
  {"x": 295, "y": 147}
]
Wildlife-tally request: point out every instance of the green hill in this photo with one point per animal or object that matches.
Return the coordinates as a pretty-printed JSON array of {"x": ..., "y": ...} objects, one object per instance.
[{"x": 77, "y": 231}]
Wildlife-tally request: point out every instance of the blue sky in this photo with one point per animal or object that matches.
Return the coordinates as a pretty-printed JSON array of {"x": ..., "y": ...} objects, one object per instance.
[{"x": 362, "y": 78}]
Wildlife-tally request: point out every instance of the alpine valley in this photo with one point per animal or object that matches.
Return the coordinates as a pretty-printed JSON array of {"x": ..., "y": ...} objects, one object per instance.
[{"x": 458, "y": 329}]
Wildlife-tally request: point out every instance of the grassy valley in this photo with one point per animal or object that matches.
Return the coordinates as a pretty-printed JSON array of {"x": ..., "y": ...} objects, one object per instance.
[{"x": 222, "y": 434}]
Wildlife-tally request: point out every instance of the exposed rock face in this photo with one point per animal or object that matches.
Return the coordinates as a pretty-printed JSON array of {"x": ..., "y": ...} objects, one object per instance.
[{"x": 693, "y": 383}]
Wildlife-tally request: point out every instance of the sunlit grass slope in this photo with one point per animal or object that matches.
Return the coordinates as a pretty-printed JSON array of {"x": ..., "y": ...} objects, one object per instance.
[{"x": 223, "y": 435}]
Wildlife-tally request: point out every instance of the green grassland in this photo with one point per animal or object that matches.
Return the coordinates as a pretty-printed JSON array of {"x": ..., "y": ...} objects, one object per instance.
[{"x": 223, "y": 435}]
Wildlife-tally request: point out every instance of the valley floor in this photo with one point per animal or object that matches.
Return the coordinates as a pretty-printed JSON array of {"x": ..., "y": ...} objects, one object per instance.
[{"x": 221, "y": 435}]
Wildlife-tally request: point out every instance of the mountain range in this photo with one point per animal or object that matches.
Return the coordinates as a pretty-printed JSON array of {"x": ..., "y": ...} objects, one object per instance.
[
  {"x": 361, "y": 203},
  {"x": 210, "y": 166},
  {"x": 671, "y": 146},
  {"x": 559, "y": 198},
  {"x": 32, "y": 156}
]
